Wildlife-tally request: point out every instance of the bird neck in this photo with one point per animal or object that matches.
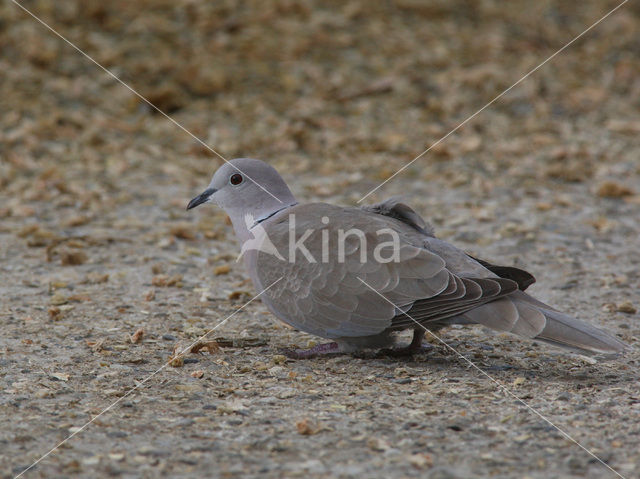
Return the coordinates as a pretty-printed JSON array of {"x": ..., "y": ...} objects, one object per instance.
[
  {"x": 243, "y": 222},
  {"x": 269, "y": 215}
]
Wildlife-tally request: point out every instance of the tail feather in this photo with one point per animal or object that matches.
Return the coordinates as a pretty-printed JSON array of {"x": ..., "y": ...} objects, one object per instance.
[
  {"x": 531, "y": 321},
  {"x": 563, "y": 330},
  {"x": 539, "y": 321}
]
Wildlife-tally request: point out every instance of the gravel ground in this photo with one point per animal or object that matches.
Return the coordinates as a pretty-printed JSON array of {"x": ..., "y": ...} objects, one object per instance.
[{"x": 95, "y": 242}]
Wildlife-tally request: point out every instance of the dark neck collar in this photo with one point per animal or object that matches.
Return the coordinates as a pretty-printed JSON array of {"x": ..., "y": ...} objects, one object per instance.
[{"x": 260, "y": 220}]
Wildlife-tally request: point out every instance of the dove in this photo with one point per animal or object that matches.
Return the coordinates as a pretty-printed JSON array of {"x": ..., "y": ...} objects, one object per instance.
[{"x": 358, "y": 275}]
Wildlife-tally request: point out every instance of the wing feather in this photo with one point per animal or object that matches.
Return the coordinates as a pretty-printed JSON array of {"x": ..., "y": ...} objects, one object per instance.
[{"x": 331, "y": 295}]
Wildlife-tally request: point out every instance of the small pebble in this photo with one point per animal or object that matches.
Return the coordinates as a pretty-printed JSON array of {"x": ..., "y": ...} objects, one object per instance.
[
  {"x": 224, "y": 269},
  {"x": 402, "y": 381},
  {"x": 626, "y": 307}
]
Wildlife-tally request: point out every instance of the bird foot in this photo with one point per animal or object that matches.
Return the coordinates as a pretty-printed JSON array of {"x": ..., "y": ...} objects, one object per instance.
[
  {"x": 319, "y": 350},
  {"x": 413, "y": 348}
]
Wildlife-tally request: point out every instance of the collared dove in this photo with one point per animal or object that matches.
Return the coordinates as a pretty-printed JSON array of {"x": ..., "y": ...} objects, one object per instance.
[{"x": 323, "y": 271}]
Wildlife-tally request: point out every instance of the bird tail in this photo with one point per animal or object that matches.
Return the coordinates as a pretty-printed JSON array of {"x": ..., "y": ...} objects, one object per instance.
[
  {"x": 536, "y": 320},
  {"x": 579, "y": 336}
]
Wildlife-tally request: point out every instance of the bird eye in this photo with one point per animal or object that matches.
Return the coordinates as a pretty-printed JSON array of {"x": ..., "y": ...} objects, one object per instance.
[{"x": 236, "y": 179}]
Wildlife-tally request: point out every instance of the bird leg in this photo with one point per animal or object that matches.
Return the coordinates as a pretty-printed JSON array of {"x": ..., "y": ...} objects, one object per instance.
[
  {"x": 416, "y": 342},
  {"x": 318, "y": 350},
  {"x": 414, "y": 347},
  {"x": 327, "y": 349}
]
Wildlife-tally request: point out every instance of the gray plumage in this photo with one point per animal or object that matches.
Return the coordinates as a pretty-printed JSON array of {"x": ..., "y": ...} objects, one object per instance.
[{"x": 433, "y": 282}]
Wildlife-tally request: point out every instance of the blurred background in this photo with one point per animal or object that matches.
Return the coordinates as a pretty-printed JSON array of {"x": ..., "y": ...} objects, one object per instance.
[
  {"x": 95, "y": 243},
  {"x": 349, "y": 89}
]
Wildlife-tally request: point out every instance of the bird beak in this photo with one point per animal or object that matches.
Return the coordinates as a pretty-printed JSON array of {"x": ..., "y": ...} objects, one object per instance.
[{"x": 201, "y": 198}]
